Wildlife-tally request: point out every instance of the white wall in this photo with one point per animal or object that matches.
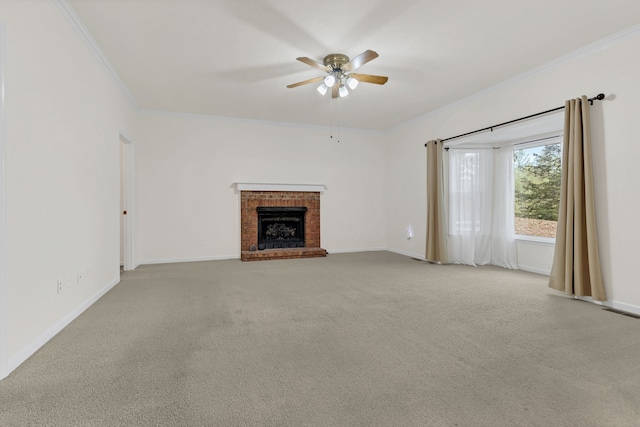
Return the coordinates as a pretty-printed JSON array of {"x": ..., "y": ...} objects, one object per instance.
[
  {"x": 533, "y": 256},
  {"x": 186, "y": 167},
  {"x": 611, "y": 68},
  {"x": 3, "y": 223},
  {"x": 64, "y": 114}
]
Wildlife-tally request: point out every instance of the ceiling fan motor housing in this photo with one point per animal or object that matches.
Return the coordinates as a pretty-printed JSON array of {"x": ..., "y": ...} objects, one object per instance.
[{"x": 336, "y": 60}]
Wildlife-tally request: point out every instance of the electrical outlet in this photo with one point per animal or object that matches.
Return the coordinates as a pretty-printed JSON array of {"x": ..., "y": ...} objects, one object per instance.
[
  {"x": 201, "y": 241},
  {"x": 80, "y": 277},
  {"x": 69, "y": 280},
  {"x": 59, "y": 285}
]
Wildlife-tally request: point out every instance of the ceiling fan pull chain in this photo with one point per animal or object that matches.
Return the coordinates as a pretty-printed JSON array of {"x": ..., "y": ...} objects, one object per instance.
[
  {"x": 331, "y": 119},
  {"x": 338, "y": 121}
]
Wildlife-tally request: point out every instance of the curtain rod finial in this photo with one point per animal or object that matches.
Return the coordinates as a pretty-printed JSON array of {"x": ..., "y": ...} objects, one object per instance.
[{"x": 598, "y": 97}]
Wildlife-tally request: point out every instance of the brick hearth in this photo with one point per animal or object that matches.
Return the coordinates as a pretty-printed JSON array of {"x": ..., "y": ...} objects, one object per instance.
[{"x": 250, "y": 200}]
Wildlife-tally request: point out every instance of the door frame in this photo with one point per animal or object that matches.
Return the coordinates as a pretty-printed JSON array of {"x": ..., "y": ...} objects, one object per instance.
[
  {"x": 4, "y": 356},
  {"x": 127, "y": 159}
]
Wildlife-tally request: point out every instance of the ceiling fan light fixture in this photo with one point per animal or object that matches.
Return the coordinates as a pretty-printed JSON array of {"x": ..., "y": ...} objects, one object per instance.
[
  {"x": 330, "y": 80},
  {"x": 338, "y": 69},
  {"x": 322, "y": 89}
]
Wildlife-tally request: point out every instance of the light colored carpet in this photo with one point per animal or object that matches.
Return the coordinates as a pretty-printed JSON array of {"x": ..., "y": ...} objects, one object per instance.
[{"x": 363, "y": 339}]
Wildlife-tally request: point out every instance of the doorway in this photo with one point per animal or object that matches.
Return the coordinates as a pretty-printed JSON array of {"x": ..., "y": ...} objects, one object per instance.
[{"x": 126, "y": 197}]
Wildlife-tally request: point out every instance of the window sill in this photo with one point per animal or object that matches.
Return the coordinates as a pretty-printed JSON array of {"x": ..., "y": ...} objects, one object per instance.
[{"x": 547, "y": 241}]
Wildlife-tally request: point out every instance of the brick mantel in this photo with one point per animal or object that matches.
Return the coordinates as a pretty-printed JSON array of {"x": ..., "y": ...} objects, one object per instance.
[{"x": 251, "y": 199}]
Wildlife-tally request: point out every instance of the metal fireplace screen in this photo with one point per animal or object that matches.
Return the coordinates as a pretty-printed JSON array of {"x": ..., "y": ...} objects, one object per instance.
[{"x": 280, "y": 227}]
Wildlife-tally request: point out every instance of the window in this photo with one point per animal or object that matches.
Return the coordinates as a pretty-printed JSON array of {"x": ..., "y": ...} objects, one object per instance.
[{"x": 537, "y": 175}]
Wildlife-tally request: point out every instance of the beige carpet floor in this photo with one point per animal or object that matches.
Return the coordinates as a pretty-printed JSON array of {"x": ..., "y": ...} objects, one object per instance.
[{"x": 361, "y": 339}]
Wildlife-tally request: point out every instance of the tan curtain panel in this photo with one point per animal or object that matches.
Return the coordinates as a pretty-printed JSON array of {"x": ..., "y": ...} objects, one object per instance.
[
  {"x": 576, "y": 262},
  {"x": 436, "y": 226}
]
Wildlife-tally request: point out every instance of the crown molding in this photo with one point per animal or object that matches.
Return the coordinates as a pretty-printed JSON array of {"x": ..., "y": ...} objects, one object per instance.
[
  {"x": 177, "y": 114},
  {"x": 73, "y": 19},
  {"x": 589, "y": 49},
  {"x": 71, "y": 16}
]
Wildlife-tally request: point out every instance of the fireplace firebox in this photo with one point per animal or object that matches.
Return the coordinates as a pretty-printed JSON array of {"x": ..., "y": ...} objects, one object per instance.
[{"x": 280, "y": 227}]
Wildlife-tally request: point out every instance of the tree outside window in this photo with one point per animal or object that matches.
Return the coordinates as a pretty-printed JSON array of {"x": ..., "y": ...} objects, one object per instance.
[{"x": 537, "y": 173}]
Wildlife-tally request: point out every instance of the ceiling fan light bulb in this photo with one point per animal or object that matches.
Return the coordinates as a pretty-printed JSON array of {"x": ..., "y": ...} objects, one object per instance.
[
  {"x": 322, "y": 89},
  {"x": 343, "y": 91},
  {"x": 330, "y": 80},
  {"x": 352, "y": 83}
]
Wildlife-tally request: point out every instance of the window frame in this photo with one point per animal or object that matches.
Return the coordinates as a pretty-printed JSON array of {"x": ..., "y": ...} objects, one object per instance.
[{"x": 556, "y": 138}]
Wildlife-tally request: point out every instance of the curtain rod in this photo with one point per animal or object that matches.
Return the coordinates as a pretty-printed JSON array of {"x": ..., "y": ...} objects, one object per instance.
[
  {"x": 546, "y": 138},
  {"x": 599, "y": 97}
]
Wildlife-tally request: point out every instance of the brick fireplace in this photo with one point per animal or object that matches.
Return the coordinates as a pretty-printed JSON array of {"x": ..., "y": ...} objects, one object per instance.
[{"x": 251, "y": 200}]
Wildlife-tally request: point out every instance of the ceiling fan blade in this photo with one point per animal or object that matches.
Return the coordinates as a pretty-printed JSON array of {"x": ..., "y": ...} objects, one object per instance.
[
  {"x": 313, "y": 63},
  {"x": 315, "y": 79},
  {"x": 334, "y": 91},
  {"x": 360, "y": 60},
  {"x": 369, "y": 78}
]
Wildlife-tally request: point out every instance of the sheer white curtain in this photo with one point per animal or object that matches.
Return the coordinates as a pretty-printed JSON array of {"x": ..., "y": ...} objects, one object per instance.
[
  {"x": 481, "y": 217},
  {"x": 470, "y": 176},
  {"x": 503, "y": 240}
]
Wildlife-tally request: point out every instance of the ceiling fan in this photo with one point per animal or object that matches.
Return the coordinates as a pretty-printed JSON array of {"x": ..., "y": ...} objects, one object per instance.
[{"x": 340, "y": 75}]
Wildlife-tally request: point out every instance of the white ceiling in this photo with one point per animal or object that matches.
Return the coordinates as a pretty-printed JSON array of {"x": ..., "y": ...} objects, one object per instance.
[{"x": 234, "y": 58}]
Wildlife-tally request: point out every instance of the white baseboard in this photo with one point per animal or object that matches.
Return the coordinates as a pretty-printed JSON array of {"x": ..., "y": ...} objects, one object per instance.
[
  {"x": 346, "y": 251},
  {"x": 226, "y": 257},
  {"x": 622, "y": 306},
  {"x": 421, "y": 257},
  {"x": 176, "y": 260},
  {"x": 534, "y": 270},
  {"x": 27, "y": 352},
  {"x": 617, "y": 305},
  {"x": 409, "y": 254}
]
